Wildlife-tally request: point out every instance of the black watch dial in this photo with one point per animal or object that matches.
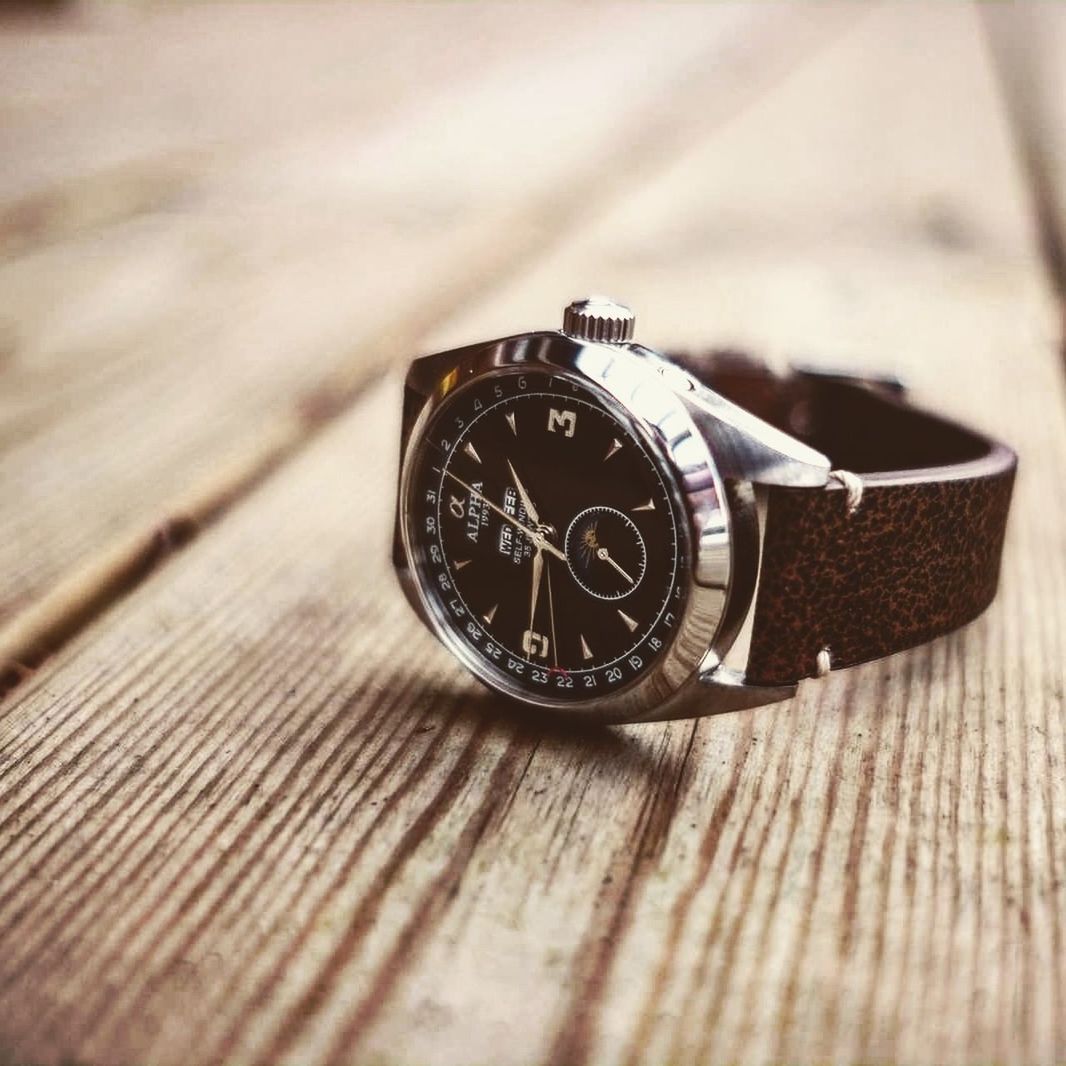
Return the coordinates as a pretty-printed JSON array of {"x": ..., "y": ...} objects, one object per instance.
[{"x": 546, "y": 537}]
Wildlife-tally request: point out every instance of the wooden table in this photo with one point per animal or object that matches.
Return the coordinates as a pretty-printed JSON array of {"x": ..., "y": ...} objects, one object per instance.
[{"x": 250, "y": 811}]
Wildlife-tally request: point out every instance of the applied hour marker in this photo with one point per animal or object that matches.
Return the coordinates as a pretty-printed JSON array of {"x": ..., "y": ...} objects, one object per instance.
[
  {"x": 630, "y": 622},
  {"x": 510, "y": 421},
  {"x": 459, "y": 564},
  {"x": 472, "y": 452},
  {"x": 649, "y": 506},
  {"x": 564, "y": 421},
  {"x": 616, "y": 446},
  {"x": 490, "y": 614},
  {"x": 586, "y": 651}
]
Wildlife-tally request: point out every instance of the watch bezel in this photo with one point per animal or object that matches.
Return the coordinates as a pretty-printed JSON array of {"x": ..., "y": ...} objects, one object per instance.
[{"x": 636, "y": 394}]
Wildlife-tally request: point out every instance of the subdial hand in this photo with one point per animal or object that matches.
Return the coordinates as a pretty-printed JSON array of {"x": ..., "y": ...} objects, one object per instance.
[
  {"x": 605, "y": 555},
  {"x": 539, "y": 540}
]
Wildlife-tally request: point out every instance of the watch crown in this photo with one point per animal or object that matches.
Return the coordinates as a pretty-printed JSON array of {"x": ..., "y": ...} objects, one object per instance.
[{"x": 597, "y": 318}]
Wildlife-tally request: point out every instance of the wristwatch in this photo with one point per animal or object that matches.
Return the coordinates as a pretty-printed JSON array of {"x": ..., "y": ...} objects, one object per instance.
[{"x": 596, "y": 528}]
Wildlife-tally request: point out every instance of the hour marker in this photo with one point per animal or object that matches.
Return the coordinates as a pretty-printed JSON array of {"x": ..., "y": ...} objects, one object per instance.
[
  {"x": 630, "y": 622},
  {"x": 586, "y": 651},
  {"x": 562, "y": 420},
  {"x": 472, "y": 452},
  {"x": 510, "y": 421},
  {"x": 490, "y": 614},
  {"x": 649, "y": 506},
  {"x": 616, "y": 446},
  {"x": 460, "y": 564}
]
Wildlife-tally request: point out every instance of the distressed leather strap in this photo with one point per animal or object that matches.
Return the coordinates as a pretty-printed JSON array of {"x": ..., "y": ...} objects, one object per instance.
[{"x": 917, "y": 557}]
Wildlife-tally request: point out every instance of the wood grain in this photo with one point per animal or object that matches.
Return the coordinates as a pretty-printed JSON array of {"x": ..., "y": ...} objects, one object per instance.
[
  {"x": 255, "y": 814},
  {"x": 1029, "y": 47},
  {"x": 164, "y": 349}
]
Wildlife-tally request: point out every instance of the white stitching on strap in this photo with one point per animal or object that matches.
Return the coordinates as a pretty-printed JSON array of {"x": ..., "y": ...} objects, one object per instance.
[
  {"x": 824, "y": 662},
  {"x": 852, "y": 486}
]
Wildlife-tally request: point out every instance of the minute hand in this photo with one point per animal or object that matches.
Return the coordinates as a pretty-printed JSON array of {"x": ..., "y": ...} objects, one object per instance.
[{"x": 538, "y": 540}]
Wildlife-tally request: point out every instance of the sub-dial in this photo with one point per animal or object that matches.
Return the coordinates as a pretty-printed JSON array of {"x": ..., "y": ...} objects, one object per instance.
[{"x": 605, "y": 553}]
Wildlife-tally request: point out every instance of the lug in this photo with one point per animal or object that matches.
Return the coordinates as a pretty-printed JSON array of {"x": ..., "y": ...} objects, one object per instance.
[
  {"x": 749, "y": 449},
  {"x": 426, "y": 373},
  {"x": 718, "y": 689},
  {"x": 745, "y": 447},
  {"x": 726, "y": 689}
]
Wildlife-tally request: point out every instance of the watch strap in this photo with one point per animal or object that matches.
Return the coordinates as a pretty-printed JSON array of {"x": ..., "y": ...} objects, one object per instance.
[{"x": 902, "y": 545}]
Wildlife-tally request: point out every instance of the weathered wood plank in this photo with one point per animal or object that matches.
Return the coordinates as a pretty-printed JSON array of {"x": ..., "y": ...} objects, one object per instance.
[
  {"x": 256, "y": 815},
  {"x": 108, "y": 110},
  {"x": 1028, "y": 42},
  {"x": 157, "y": 366},
  {"x": 869, "y": 248}
]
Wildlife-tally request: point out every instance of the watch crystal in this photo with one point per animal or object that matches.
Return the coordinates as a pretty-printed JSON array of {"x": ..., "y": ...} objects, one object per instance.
[{"x": 546, "y": 537}]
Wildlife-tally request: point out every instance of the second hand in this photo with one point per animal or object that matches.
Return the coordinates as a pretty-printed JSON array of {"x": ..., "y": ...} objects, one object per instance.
[{"x": 551, "y": 615}]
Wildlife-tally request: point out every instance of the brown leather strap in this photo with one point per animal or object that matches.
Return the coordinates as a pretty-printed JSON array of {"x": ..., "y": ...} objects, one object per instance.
[{"x": 917, "y": 557}]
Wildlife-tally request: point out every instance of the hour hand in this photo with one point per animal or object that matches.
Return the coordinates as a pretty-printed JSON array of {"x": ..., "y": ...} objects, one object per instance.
[
  {"x": 534, "y": 535},
  {"x": 527, "y": 503}
]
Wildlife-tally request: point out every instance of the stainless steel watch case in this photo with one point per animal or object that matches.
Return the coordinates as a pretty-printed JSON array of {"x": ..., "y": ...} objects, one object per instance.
[{"x": 713, "y": 454}]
